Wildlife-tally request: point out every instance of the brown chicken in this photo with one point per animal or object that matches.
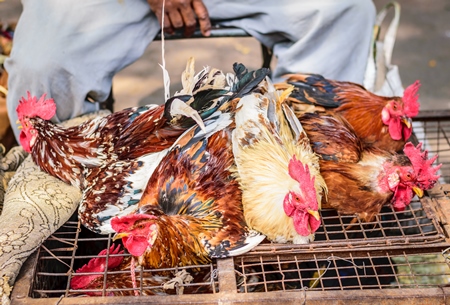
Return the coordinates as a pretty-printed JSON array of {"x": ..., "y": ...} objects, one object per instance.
[
  {"x": 89, "y": 279},
  {"x": 65, "y": 152},
  {"x": 191, "y": 210},
  {"x": 362, "y": 179},
  {"x": 383, "y": 122}
]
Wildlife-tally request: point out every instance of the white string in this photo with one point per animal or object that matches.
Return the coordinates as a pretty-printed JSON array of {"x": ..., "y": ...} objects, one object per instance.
[{"x": 166, "y": 78}]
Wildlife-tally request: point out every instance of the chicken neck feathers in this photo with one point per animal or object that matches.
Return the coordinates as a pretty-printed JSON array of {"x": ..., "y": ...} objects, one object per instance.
[{"x": 332, "y": 137}]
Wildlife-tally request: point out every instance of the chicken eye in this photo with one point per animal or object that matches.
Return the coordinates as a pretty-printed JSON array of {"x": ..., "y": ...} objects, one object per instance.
[{"x": 141, "y": 226}]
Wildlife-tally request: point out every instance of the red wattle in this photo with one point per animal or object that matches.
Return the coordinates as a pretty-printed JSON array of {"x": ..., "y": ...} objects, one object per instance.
[
  {"x": 301, "y": 223},
  {"x": 135, "y": 245},
  {"x": 395, "y": 129}
]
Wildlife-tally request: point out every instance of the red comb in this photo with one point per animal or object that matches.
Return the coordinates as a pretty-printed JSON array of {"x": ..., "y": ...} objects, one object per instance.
[
  {"x": 97, "y": 264},
  {"x": 426, "y": 173},
  {"x": 410, "y": 99},
  {"x": 32, "y": 107},
  {"x": 301, "y": 173},
  {"x": 297, "y": 171}
]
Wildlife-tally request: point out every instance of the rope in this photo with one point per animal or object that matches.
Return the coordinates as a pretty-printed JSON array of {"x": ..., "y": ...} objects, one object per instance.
[{"x": 181, "y": 277}]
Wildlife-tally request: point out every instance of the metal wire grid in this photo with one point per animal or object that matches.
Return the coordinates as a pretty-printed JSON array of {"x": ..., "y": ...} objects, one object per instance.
[
  {"x": 73, "y": 246},
  {"x": 363, "y": 270},
  {"x": 415, "y": 226}
]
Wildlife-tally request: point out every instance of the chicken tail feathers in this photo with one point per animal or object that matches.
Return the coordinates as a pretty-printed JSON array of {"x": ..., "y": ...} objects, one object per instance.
[
  {"x": 294, "y": 123},
  {"x": 216, "y": 122},
  {"x": 179, "y": 105},
  {"x": 313, "y": 89},
  {"x": 252, "y": 239},
  {"x": 207, "y": 102},
  {"x": 246, "y": 81}
]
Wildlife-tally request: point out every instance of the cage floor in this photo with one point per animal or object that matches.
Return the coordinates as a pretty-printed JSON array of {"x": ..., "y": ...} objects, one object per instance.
[
  {"x": 269, "y": 267},
  {"x": 366, "y": 270}
]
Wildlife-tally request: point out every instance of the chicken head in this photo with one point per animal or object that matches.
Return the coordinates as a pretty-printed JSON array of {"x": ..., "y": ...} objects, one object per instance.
[
  {"x": 404, "y": 188},
  {"x": 398, "y": 112},
  {"x": 137, "y": 231},
  {"x": 29, "y": 108},
  {"x": 97, "y": 264},
  {"x": 302, "y": 206}
]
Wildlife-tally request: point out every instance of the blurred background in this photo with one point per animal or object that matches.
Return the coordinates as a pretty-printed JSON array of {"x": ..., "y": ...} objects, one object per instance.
[{"x": 422, "y": 51}]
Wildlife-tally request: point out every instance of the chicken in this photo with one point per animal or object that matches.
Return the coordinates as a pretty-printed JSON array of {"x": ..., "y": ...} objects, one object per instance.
[
  {"x": 65, "y": 152},
  {"x": 115, "y": 188},
  {"x": 129, "y": 133},
  {"x": 423, "y": 167},
  {"x": 277, "y": 170},
  {"x": 362, "y": 179},
  {"x": 119, "y": 281},
  {"x": 191, "y": 210},
  {"x": 383, "y": 122}
]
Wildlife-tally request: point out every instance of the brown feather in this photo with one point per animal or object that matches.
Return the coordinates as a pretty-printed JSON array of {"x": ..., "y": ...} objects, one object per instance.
[{"x": 360, "y": 107}]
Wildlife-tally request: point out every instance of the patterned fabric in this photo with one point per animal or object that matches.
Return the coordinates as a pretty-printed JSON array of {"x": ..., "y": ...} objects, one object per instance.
[
  {"x": 35, "y": 205},
  {"x": 8, "y": 166}
]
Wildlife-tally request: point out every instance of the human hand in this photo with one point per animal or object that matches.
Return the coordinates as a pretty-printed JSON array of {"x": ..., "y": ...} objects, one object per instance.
[{"x": 182, "y": 14}]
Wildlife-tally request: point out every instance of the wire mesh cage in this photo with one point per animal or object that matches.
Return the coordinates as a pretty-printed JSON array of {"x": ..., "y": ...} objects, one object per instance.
[
  {"x": 72, "y": 246},
  {"x": 363, "y": 270},
  {"x": 400, "y": 254}
]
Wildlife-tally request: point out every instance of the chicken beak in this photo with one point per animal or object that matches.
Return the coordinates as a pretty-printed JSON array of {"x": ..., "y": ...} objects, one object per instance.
[
  {"x": 119, "y": 236},
  {"x": 418, "y": 191},
  {"x": 315, "y": 214},
  {"x": 18, "y": 122},
  {"x": 407, "y": 121}
]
